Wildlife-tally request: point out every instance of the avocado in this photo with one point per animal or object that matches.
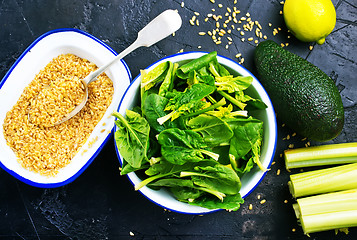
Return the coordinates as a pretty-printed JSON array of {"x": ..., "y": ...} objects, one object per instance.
[{"x": 303, "y": 96}]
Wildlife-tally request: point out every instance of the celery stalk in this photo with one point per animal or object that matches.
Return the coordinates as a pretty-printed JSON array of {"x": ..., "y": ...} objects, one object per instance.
[
  {"x": 321, "y": 155},
  {"x": 327, "y": 211},
  {"x": 323, "y": 181}
]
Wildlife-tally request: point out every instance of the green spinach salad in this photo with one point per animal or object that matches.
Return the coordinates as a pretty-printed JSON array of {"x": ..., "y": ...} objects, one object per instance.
[{"x": 192, "y": 132}]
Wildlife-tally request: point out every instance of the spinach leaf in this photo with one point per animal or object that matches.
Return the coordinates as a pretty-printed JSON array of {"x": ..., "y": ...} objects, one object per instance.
[
  {"x": 144, "y": 95},
  {"x": 252, "y": 103},
  {"x": 182, "y": 72},
  {"x": 213, "y": 69},
  {"x": 167, "y": 84},
  {"x": 183, "y": 189},
  {"x": 256, "y": 152},
  {"x": 154, "y": 108},
  {"x": 244, "y": 165},
  {"x": 204, "y": 71},
  {"x": 233, "y": 100},
  {"x": 227, "y": 112},
  {"x": 163, "y": 169},
  {"x": 186, "y": 194},
  {"x": 230, "y": 202},
  {"x": 181, "y": 146},
  {"x": 154, "y": 146},
  {"x": 213, "y": 130},
  {"x": 149, "y": 79},
  {"x": 188, "y": 98},
  {"x": 223, "y": 152},
  {"x": 127, "y": 168},
  {"x": 132, "y": 137},
  {"x": 172, "y": 182},
  {"x": 207, "y": 109},
  {"x": 194, "y": 77},
  {"x": 217, "y": 69},
  {"x": 233, "y": 84},
  {"x": 166, "y": 167},
  {"x": 217, "y": 178},
  {"x": 206, "y": 79},
  {"x": 186, "y": 101},
  {"x": 248, "y": 134}
]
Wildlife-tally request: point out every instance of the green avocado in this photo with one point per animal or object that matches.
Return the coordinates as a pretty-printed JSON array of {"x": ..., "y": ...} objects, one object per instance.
[{"x": 303, "y": 96}]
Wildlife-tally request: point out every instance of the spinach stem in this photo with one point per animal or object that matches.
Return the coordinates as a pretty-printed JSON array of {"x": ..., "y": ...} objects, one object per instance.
[
  {"x": 210, "y": 108},
  {"x": 260, "y": 165},
  {"x": 215, "y": 156},
  {"x": 242, "y": 113},
  {"x": 165, "y": 118},
  {"x": 211, "y": 99},
  {"x": 218, "y": 194},
  {"x": 232, "y": 100},
  {"x": 187, "y": 174},
  {"x": 213, "y": 70},
  {"x": 149, "y": 180}
]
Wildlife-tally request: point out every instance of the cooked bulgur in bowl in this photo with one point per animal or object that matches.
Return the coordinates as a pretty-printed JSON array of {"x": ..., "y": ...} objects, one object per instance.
[
  {"x": 60, "y": 96},
  {"x": 51, "y": 156},
  {"x": 46, "y": 149}
]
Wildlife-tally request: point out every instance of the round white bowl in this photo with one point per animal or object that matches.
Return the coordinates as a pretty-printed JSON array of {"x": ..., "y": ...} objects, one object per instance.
[
  {"x": 250, "y": 180},
  {"x": 23, "y": 71}
]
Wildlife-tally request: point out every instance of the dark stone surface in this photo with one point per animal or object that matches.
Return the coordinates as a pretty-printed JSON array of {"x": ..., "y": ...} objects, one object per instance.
[{"x": 101, "y": 204}]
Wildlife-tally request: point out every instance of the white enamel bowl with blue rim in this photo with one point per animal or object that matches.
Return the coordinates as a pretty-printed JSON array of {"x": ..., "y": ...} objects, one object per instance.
[
  {"x": 250, "y": 180},
  {"x": 23, "y": 71}
]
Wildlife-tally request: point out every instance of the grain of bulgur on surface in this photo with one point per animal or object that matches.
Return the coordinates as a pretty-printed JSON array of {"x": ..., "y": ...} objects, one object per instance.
[{"x": 46, "y": 150}]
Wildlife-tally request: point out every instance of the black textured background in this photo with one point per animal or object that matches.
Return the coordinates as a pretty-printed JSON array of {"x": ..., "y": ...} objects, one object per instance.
[{"x": 101, "y": 204}]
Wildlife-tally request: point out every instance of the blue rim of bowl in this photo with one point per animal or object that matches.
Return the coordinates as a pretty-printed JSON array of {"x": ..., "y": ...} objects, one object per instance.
[
  {"x": 28, "y": 49},
  {"x": 275, "y": 133}
]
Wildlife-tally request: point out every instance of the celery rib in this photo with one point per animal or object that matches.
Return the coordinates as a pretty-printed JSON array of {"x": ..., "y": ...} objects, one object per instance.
[
  {"x": 331, "y": 154},
  {"x": 322, "y": 181},
  {"x": 327, "y": 211},
  {"x": 329, "y": 221}
]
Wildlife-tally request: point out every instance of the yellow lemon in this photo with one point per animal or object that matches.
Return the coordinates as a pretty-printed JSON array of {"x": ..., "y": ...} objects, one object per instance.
[{"x": 310, "y": 20}]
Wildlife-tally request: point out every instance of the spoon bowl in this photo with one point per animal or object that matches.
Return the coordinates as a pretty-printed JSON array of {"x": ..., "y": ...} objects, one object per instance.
[{"x": 79, "y": 107}]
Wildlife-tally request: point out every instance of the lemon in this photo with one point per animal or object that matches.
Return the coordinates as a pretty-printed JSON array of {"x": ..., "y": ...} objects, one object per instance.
[{"x": 310, "y": 20}]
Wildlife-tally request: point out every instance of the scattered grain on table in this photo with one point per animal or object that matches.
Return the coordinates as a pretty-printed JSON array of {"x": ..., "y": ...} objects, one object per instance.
[{"x": 231, "y": 18}]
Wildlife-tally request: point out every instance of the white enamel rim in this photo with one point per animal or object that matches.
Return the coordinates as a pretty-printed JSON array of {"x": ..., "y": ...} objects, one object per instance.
[
  {"x": 249, "y": 181},
  {"x": 35, "y": 58}
]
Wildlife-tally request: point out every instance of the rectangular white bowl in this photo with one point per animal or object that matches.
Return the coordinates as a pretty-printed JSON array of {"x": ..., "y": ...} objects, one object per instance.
[{"x": 23, "y": 71}]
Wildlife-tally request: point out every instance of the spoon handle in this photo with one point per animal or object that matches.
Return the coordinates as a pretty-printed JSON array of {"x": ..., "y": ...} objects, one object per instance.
[{"x": 159, "y": 28}]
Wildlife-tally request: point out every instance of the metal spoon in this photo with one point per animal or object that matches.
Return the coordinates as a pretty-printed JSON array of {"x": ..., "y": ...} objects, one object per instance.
[{"x": 159, "y": 28}]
